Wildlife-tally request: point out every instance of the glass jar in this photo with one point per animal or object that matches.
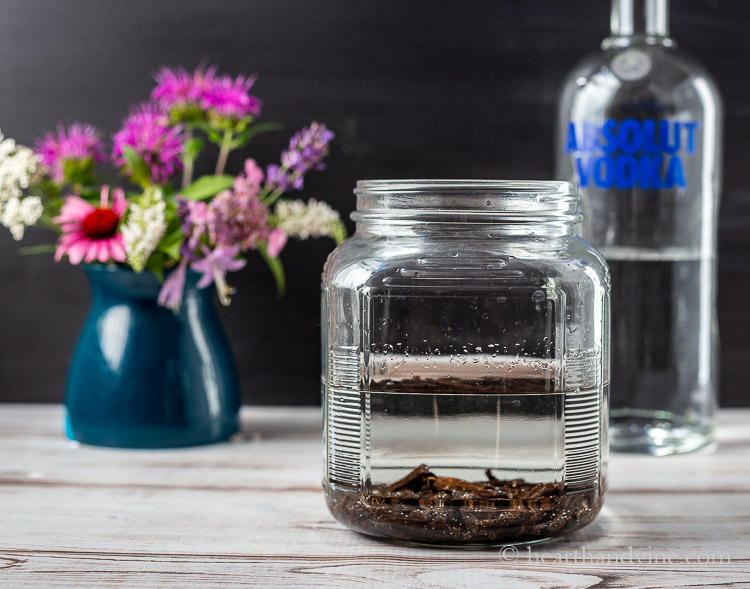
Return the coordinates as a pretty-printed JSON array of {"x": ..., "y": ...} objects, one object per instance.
[{"x": 465, "y": 364}]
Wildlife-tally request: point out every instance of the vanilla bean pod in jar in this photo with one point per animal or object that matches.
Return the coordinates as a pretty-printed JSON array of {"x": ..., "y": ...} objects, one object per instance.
[{"x": 465, "y": 364}]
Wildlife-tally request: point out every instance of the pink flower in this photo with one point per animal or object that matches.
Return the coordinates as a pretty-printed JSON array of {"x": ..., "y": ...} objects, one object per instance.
[
  {"x": 214, "y": 268},
  {"x": 148, "y": 132},
  {"x": 172, "y": 290},
  {"x": 78, "y": 142},
  {"x": 276, "y": 242},
  {"x": 249, "y": 183},
  {"x": 230, "y": 98},
  {"x": 89, "y": 232},
  {"x": 179, "y": 89},
  {"x": 237, "y": 217},
  {"x": 216, "y": 264},
  {"x": 196, "y": 218}
]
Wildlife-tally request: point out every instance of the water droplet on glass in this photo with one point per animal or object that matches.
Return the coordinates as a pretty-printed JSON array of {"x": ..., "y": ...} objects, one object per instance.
[{"x": 538, "y": 296}]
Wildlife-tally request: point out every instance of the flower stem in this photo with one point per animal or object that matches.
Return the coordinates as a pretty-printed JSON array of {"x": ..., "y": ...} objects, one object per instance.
[
  {"x": 269, "y": 198},
  {"x": 187, "y": 161},
  {"x": 274, "y": 196},
  {"x": 223, "y": 152}
]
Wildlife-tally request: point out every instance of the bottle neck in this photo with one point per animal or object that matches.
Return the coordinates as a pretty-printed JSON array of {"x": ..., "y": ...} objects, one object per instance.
[{"x": 639, "y": 21}]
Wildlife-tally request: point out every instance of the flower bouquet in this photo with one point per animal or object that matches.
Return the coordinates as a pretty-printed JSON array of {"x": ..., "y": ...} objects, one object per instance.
[
  {"x": 158, "y": 241},
  {"x": 207, "y": 224}
]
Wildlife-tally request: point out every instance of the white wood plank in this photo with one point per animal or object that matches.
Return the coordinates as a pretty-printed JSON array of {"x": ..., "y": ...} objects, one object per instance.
[{"x": 252, "y": 514}]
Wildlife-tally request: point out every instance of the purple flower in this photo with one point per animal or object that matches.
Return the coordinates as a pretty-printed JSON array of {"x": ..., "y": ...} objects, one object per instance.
[
  {"x": 234, "y": 217},
  {"x": 230, "y": 98},
  {"x": 214, "y": 268},
  {"x": 196, "y": 217},
  {"x": 238, "y": 219},
  {"x": 216, "y": 264},
  {"x": 179, "y": 89},
  {"x": 148, "y": 132},
  {"x": 78, "y": 142},
  {"x": 306, "y": 151},
  {"x": 278, "y": 177},
  {"x": 183, "y": 213},
  {"x": 307, "y": 148},
  {"x": 172, "y": 290}
]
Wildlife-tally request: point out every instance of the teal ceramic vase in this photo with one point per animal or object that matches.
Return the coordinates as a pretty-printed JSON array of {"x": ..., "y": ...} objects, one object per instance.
[{"x": 144, "y": 377}]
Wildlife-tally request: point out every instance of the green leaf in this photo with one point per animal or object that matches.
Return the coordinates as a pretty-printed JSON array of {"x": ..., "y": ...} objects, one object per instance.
[
  {"x": 47, "y": 222},
  {"x": 78, "y": 171},
  {"x": 243, "y": 138},
  {"x": 171, "y": 244},
  {"x": 207, "y": 186},
  {"x": 263, "y": 128},
  {"x": 277, "y": 269},
  {"x": 139, "y": 171},
  {"x": 45, "y": 248},
  {"x": 91, "y": 193},
  {"x": 46, "y": 187},
  {"x": 155, "y": 264},
  {"x": 193, "y": 148},
  {"x": 214, "y": 135},
  {"x": 240, "y": 140}
]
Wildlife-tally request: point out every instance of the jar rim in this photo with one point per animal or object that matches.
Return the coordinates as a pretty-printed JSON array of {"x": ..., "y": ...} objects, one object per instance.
[
  {"x": 467, "y": 202},
  {"x": 448, "y": 186}
]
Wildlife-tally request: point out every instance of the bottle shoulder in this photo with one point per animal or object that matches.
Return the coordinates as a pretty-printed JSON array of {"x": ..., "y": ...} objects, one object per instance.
[
  {"x": 640, "y": 65},
  {"x": 642, "y": 80}
]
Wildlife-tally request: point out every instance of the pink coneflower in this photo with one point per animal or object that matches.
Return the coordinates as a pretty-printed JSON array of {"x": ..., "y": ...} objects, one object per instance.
[
  {"x": 179, "y": 89},
  {"x": 78, "y": 142},
  {"x": 148, "y": 132},
  {"x": 230, "y": 98},
  {"x": 90, "y": 232}
]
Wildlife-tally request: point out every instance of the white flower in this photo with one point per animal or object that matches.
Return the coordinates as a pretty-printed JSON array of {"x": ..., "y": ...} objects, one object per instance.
[
  {"x": 19, "y": 168},
  {"x": 145, "y": 228},
  {"x": 301, "y": 219},
  {"x": 18, "y": 213}
]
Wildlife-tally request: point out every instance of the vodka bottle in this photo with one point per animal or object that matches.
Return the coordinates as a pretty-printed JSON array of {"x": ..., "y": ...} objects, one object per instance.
[{"x": 639, "y": 129}]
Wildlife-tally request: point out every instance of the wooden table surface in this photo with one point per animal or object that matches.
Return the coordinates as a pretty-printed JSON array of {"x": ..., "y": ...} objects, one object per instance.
[{"x": 251, "y": 513}]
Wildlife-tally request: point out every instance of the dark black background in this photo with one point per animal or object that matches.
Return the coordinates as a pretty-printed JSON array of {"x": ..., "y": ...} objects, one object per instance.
[{"x": 417, "y": 88}]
